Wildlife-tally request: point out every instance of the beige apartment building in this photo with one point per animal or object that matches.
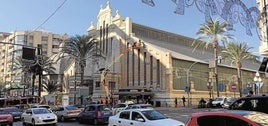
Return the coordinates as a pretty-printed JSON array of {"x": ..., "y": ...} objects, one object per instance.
[
  {"x": 159, "y": 70},
  {"x": 11, "y": 48}
]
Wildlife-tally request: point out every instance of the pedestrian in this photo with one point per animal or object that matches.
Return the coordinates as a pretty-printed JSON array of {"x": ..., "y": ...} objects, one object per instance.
[
  {"x": 176, "y": 102},
  {"x": 250, "y": 93},
  {"x": 183, "y": 101}
]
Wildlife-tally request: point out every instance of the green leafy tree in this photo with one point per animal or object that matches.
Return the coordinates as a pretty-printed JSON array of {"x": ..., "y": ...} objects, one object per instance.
[
  {"x": 50, "y": 86},
  {"x": 237, "y": 53},
  {"x": 212, "y": 32}
]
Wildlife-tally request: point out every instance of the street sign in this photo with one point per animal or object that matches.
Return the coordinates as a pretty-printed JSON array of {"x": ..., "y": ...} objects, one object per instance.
[{"x": 233, "y": 87}]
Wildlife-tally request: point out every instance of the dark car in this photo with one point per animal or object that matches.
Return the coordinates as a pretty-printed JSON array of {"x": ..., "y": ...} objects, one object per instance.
[
  {"x": 95, "y": 113},
  {"x": 253, "y": 103},
  {"x": 14, "y": 111}
]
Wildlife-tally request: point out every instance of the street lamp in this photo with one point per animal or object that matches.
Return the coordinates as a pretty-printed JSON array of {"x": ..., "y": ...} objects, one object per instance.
[
  {"x": 257, "y": 80},
  {"x": 209, "y": 86}
]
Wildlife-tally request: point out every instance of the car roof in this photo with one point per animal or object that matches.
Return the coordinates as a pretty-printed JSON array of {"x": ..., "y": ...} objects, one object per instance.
[
  {"x": 95, "y": 104},
  {"x": 37, "y": 108},
  {"x": 226, "y": 112},
  {"x": 254, "y": 97},
  {"x": 142, "y": 109}
]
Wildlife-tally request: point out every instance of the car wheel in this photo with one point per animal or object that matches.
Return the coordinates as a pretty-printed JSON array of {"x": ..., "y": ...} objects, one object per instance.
[
  {"x": 23, "y": 122},
  {"x": 62, "y": 119},
  {"x": 33, "y": 122},
  {"x": 95, "y": 121},
  {"x": 80, "y": 121}
]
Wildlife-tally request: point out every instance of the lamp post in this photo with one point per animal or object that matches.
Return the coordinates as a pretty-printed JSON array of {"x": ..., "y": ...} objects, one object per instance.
[
  {"x": 209, "y": 86},
  {"x": 257, "y": 80}
]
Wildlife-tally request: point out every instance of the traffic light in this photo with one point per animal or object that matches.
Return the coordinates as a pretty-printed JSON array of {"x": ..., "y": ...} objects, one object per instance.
[{"x": 28, "y": 53}]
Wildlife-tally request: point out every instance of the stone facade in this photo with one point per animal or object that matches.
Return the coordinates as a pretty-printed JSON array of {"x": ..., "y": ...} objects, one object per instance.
[{"x": 157, "y": 72}]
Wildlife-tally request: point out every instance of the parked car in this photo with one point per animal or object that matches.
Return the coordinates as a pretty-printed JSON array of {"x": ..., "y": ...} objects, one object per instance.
[
  {"x": 228, "y": 102},
  {"x": 66, "y": 112},
  {"x": 95, "y": 113},
  {"x": 119, "y": 107},
  {"x": 228, "y": 118},
  {"x": 40, "y": 106},
  {"x": 142, "y": 117},
  {"x": 14, "y": 111},
  {"x": 219, "y": 101},
  {"x": 5, "y": 118},
  {"x": 139, "y": 106},
  {"x": 38, "y": 116},
  {"x": 253, "y": 103}
]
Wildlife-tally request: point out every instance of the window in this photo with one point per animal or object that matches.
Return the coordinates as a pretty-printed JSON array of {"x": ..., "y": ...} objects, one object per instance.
[
  {"x": 44, "y": 38},
  {"x": 221, "y": 121},
  {"x": 90, "y": 108},
  {"x": 97, "y": 84},
  {"x": 230, "y": 121},
  {"x": 211, "y": 121},
  {"x": 136, "y": 116},
  {"x": 55, "y": 46},
  {"x": 124, "y": 115}
]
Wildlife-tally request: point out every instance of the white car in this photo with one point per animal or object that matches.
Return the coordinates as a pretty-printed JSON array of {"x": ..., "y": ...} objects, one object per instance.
[
  {"x": 38, "y": 116},
  {"x": 139, "y": 106},
  {"x": 219, "y": 101},
  {"x": 142, "y": 117},
  {"x": 119, "y": 107}
]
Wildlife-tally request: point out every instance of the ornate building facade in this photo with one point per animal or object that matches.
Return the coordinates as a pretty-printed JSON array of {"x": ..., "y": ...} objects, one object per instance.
[{"x": 160, "y": 70}]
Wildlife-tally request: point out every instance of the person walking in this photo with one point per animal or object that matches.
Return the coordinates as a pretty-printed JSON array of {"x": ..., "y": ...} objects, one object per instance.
[
  {"x": 176, "y": 102},
  {"x": 183, "y": 101}
]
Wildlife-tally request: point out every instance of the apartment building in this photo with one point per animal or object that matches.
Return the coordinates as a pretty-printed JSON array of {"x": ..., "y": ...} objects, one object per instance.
[{"x": 11, "y": 49}]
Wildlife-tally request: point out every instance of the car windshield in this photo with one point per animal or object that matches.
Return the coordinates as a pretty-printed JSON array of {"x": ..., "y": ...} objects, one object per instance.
[
  {"x": 41, "y": 111},
  {"x": 218, "y": 99},
  {"x": 2, "y": 112},
  {"x": 153, "y": 115},
  {"x": 71, "y": 107},
  {"x": 257, "y": 117},
  {"x": 12, "y": 110}
]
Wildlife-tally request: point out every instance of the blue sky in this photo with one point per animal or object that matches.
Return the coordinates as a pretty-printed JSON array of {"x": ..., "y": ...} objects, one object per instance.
[{"x": 74, "y": 17}]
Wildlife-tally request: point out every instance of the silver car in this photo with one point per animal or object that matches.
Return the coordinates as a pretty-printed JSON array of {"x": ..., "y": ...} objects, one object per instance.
[{"x": 66, "y": 112}]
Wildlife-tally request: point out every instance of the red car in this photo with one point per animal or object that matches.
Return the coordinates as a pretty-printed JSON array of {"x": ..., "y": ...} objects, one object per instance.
[
  {"x": 228, "y": 118},
  {"x": 5, "y": 118}
]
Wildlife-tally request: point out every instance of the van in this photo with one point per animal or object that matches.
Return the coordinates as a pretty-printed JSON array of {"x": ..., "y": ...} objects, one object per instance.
[{"x": 253, "y": 103}]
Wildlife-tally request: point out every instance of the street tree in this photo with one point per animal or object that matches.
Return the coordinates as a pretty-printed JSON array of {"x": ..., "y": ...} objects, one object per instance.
[
  {"x": 79, "y": 49},
  {"x": 50, "y": 86},
  {"x": 237, "y": 53},
  {"x": 212, "y": 32}
]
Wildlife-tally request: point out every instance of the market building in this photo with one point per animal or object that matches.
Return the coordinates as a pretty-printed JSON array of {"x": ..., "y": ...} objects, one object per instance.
[{"x": 145, "y": 64}]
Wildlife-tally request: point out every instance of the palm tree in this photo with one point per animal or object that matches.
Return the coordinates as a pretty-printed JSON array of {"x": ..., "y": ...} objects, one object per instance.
[
  {"x": 212, "y": 32},
  {"x": 236, "y": 53},
  {"x": 50, "y": 86},
  {"x": 42, "y": 64},
  {"x": 79, "y": 49}
]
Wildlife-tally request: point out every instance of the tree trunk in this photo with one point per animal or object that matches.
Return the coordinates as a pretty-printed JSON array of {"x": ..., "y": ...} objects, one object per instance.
[
  {"x": 215, "y": 49},
  {"x": 239, "y": 66}
]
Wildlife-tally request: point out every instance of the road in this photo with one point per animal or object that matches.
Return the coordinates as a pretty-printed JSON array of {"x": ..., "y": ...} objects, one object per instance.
[{"x": 181, "y": 114}]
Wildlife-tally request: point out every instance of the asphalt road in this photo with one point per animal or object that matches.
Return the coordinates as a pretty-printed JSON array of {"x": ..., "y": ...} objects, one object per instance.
[{"x": 181, "y": 114}]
